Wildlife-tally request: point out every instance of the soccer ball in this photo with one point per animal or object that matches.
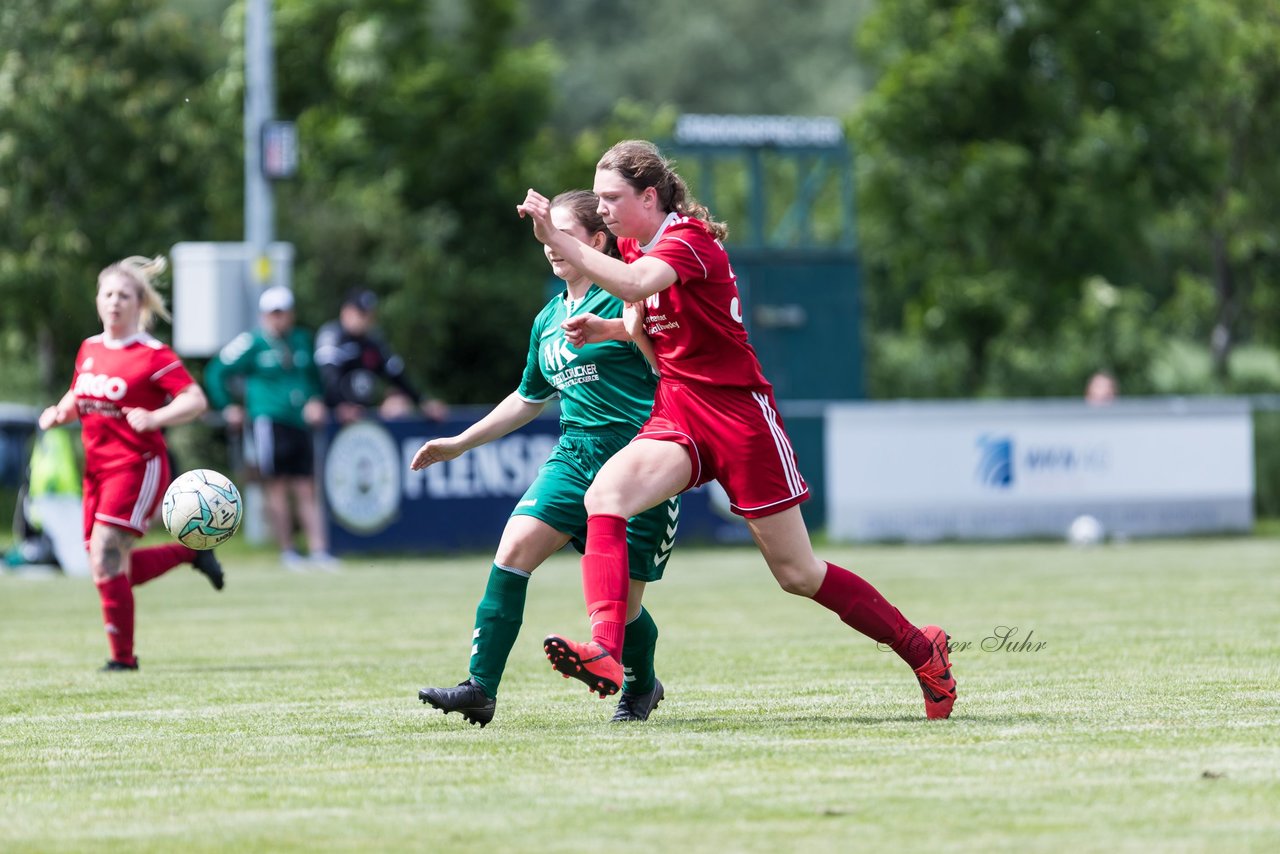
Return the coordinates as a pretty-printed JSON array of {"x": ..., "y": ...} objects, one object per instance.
[
  {"x": 1085, "y": 531},
  {"x": 202, "y": 509}
]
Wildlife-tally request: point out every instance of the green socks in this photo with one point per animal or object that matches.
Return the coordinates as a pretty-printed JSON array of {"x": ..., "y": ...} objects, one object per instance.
[
  {"x": 498, "y": 619},
  {"x": 638, "y": 646}
]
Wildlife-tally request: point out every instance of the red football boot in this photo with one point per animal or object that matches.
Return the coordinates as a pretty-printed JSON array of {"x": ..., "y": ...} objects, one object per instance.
[
  {"x": 936, "y": 681},
  {"x": 586, "y": 662}
]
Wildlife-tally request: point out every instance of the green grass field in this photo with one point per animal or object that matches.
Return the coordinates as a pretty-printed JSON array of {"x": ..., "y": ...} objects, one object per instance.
[{"x": 282, "y": 714}]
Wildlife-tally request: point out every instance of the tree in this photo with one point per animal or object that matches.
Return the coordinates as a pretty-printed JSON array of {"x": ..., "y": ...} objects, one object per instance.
[
  {"x": 726, "y": 56},
  {"x": 106, "y": 144},
  {"x": 1014, "y": 151},
  {"x": 1222, "y": 232},
  {"x": 416, "y": 122}
]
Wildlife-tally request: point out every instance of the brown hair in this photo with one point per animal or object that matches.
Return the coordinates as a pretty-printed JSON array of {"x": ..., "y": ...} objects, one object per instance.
[
  {"x": 585, "y": 207},
  {"x": 141, "y": 271},
  {"x": 642, "y": 165}
]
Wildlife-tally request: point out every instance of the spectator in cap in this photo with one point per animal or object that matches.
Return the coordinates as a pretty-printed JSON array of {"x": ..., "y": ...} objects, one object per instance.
[
  {"x": 283, "y": 404},
  {"x": 360, "y": 372}
]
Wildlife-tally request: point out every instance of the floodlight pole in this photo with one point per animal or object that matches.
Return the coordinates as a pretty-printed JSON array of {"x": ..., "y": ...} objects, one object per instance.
[
  {"x": 259, "y": 204},
  {"x": 259, "y": 107}
]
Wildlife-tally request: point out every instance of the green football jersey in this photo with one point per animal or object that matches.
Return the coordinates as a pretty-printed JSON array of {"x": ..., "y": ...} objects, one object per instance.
[
  {"x": 280, "y": 375},
  {"x": 605, "y": 385}
]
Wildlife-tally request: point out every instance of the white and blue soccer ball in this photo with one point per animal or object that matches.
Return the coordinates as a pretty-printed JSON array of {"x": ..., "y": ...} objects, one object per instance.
[{"x": 202, "y": 508}]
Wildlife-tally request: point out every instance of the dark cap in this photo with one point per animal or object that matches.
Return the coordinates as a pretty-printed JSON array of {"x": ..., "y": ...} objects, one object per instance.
[{"x": 361, "y": 298}]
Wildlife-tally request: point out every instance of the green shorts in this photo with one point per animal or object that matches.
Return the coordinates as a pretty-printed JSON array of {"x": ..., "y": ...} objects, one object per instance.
[{"x": 556, "y": 497}]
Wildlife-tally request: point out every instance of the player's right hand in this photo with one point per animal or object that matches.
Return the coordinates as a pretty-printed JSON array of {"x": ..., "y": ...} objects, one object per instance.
[
  {"x": 49, "y": 417},
  {"x": 538, "y": 209},
  {"x": 435, "y": 451}
]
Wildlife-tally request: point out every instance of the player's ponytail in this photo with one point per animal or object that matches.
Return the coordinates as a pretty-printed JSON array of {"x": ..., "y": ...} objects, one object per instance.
[
  {"x": 642, "y": 165},
  {"x": 143, "y": 271}
]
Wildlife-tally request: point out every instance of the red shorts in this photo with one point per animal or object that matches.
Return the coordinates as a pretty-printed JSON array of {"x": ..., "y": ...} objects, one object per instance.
[
  {"x": 125, "y": 497},
  {"x": 735, "y": 436}
]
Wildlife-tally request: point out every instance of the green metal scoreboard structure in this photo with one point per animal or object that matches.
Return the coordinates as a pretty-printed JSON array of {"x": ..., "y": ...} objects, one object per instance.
[{"x": 785, "y": 187}]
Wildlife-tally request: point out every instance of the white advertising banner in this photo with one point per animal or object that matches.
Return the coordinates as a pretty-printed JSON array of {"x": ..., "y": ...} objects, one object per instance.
[{"x": 975, "y": 470}]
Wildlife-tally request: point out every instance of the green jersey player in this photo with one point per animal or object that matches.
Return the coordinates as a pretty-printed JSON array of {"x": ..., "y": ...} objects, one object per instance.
[{"x": 606, "y": 392}]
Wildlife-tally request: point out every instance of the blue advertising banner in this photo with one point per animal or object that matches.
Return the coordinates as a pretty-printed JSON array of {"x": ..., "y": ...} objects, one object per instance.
[{"x": 374, "y": 503}]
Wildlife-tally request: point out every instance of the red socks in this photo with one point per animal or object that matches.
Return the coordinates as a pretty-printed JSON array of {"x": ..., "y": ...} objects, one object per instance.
[
  {"x": 116, "y": 593},
  {"x": 862, "y": 608},
  {"x": 155, "y": 561},
  {"x": 117, "y": 615},
  {"x": 605, "y": 580}
]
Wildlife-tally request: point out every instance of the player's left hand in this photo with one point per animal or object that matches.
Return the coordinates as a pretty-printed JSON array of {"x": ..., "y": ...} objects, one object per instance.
[
  {"x": 436, "y": 451},
  {"x": 585, "y": 329},
  {"x": 141, "y": 420}
]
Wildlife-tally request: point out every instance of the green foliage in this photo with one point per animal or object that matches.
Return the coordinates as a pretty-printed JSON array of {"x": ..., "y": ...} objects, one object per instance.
[
  {"x": 913, "y": 366},
  {"x": 415, "y": 128},
  {"x": 1011, "y": 153},
  {"x": 106, "y": 146},
  {"x": 1183, "y": 367},
  {"x": 742, "y": 57},
  {"x": 1266, "y": 454}
]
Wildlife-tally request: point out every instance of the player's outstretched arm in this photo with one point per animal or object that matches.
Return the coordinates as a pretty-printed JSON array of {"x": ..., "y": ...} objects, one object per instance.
[
  {"x": 511, "y": 414},
  {"x": 629, "y": 282}
]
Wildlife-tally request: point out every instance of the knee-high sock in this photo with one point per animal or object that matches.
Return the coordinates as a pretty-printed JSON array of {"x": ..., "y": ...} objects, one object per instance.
[
  {"x": 498, "y": 619},
  {"x": 605, "y": 580},
  {"x": 116, "y": 595},
  {"x": 862, "y": 607},
  {"x": 637, "y": 653},
  {"x": 155, "y": 561}
]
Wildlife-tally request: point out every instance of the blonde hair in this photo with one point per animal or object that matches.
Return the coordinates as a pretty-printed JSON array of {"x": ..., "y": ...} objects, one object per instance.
[
  {"x": 642, "y": 165},
  {"x": 142, "y": 271}
]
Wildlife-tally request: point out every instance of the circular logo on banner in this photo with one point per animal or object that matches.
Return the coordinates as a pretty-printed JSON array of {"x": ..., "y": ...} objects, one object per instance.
[{"x": 362, "y": 477}]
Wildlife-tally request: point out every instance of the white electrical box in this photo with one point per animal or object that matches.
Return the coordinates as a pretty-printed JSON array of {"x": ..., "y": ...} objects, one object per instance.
[{"x": 215, "y": 292}]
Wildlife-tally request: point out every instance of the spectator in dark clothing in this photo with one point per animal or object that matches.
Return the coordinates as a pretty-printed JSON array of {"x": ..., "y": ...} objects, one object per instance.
[{"x": 357, "y": 367}]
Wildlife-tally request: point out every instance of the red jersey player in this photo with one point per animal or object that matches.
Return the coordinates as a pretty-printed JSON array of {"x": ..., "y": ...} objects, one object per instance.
[
  {"x": 714, "y": 417},
  {"x": 126, "y": 387}
]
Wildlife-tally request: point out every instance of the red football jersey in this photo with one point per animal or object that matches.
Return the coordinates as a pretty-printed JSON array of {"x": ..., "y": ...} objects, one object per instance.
[
  {"x": 696, "y": 324},
  {"x": 112, "y": 377}
]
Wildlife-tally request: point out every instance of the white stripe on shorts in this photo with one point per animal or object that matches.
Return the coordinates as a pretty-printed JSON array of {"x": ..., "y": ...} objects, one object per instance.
[
  {"x": 146, "y": 494},
  {"x": 785, "y": 454},
  {"x": 264, "y": 446}
]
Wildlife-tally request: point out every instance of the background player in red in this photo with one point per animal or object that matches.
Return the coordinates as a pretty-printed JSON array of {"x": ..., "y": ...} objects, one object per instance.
[
  {"x": 126, "y": 387},
  {"x": 714, "y": 417}
]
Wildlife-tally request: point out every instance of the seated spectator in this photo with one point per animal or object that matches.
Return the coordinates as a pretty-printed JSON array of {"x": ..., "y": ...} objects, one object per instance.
[{"x": 356, "y": 363}]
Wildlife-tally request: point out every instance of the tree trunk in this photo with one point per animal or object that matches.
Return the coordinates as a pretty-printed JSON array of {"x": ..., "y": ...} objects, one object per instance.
[{"x": 1224, "y": 287}]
